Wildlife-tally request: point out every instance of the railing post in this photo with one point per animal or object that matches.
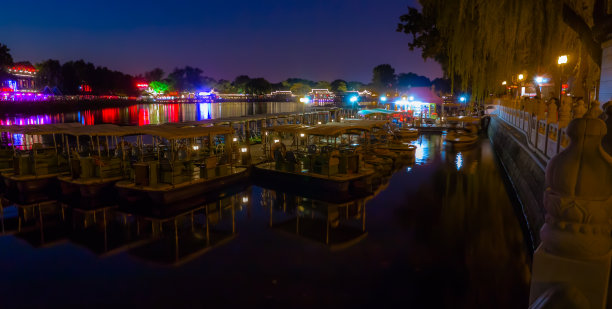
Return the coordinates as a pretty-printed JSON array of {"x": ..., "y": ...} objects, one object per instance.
[{"x": 573, "y": 260}]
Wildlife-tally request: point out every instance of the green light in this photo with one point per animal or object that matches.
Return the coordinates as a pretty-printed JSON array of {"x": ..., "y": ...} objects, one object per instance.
[{"x": 159, "y": 87}]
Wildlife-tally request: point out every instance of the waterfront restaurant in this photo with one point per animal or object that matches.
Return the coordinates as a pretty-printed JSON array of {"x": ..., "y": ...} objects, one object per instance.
[
  {"x": 421, "y": 102},
  {"x": 18, "y": 83}
]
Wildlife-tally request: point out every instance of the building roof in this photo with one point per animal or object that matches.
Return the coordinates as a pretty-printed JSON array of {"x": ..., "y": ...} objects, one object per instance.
[{"x": 424, "y": 94}]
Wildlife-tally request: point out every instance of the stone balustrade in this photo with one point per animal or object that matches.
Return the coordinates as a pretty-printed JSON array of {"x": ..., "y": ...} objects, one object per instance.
[{"x": 545, "y": 125}]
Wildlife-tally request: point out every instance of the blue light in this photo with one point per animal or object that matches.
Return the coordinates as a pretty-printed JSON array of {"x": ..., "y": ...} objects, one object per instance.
[
  {"x": 411, "y": 98},
  {"x": 383, "y": 99},
  {"x": 462, "y": 99},
  {"x": 353, "y": 99}
]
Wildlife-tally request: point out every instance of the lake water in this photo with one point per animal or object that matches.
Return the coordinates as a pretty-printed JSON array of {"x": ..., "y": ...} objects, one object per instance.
[
  {"x": 142, "y": 114},
  {"x": 441, "y": 233}
]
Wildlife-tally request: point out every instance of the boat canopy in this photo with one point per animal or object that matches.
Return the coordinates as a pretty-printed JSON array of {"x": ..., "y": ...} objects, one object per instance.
[
  {"x": 375, "y": 111},
  {"x": 335, "y": 128},
  {"x": 44, "y": 129},
  {"x": 169, "y": 132},
  {"x": 367, "y": 122},
  {"x": 287, "y": 128},
  {"x": 462, "y": 119},
  {"x": 105, "y": 130}
]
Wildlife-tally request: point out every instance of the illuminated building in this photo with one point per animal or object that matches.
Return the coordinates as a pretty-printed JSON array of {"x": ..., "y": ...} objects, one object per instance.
[
  {"x": 421, "y": 101},
  {"x": 21, "y": 77},
  {"x": 320, "y": 97}
]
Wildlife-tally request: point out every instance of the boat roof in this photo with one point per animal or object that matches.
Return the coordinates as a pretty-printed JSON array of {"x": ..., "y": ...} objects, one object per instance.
[
  {"x": 337, "y": 128},
  {"x": 367, "y": 122},
  {"x": 365, "y": 112},
  {"x": 287, "y": 128},
  {"x": 462, "y": 119},
  {"x": 104, "y": 130},
  {"x": 172, "y": 132},
  {"x": 43, "y": 129}
]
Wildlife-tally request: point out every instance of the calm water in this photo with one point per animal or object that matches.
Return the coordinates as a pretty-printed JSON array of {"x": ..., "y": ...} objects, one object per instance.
[
  {"x": 142, "y": 114},
  {"x": 441, "y": 233}
]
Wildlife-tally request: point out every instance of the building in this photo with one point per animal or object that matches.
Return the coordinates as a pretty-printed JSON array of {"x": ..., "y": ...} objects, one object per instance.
[
  {"x": 320, "y": 97},
  {"x": 21, "y": 77}
]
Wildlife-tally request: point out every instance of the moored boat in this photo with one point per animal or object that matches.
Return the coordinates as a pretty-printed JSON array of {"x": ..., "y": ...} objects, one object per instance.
[{"x": 188, "y": 164}]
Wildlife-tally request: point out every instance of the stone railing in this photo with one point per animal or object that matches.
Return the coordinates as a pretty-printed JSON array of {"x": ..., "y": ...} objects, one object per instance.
[
  {"x": 545, "y": 125},
  {"x": 571, "y": 266}
]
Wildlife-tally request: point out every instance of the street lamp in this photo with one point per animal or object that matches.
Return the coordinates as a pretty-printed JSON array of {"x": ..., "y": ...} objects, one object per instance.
[
  {"x": 520, "y": 88},
  {"x": 561, "y": 61},
  {"x": 504, "y": 83}
]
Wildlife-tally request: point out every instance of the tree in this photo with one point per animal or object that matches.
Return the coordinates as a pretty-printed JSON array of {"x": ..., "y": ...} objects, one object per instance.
[
  {"x": 442, "y": 85},
  {"x": 487, "y": 42},
  {"x": 5, "y": 56},
  {"x": 383, "y": 77},
  {"x": 49, "y": 73},
  {"x": 258, "y": 86},
  {"x": 355, "y": 86},
  {"x": 186, "y": 79},
  {"x": 407, "y": 80},
  {"x": 300, "y": 89},
  {"x": 322, "y": 85},
  {"x": 338, "y": 86},
  {"x": 155, "y": 74}
]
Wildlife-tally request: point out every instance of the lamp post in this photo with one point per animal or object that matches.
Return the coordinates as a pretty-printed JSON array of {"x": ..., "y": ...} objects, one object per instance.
[
  {"x": 561, "y": 61},
  {"x": 520, "y": 87}
]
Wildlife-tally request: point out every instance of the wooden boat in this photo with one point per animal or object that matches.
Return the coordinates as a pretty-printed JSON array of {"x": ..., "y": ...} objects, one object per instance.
[
  {"x": 329, "y": 167},
  {"x": 407, "y": 133},
  {"x": 36, "y": 166},
  {"x": 93, "y": 173},
  {"x": 460, "y": 139},
  {"x": 185, "y": 168}
]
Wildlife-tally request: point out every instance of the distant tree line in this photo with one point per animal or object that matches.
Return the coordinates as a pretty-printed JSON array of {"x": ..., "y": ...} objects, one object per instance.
[{"x": 69, "y": 77}]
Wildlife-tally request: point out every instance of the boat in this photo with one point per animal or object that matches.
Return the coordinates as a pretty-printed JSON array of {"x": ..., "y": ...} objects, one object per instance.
[
  {"x": 36, "y": 163},
  {"x": 188, "y": 164},
  {"x": 94, "y": 171},
  {"x": 407, "y": 133},
  {"x": 463, "y": 134},
  {"x": 332, "y": 161}
]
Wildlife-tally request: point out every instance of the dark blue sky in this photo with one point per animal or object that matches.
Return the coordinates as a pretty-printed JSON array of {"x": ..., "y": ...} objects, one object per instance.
[{"x": 314, "y": 39}]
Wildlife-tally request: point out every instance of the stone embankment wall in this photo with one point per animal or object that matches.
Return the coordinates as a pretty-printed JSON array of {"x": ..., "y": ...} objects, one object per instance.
[{"x": 526, "y": 134}]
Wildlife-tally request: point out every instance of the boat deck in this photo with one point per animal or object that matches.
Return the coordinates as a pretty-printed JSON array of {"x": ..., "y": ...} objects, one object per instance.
[
  {"x": 271, "y": 166},
  {"x": 127, "y": 184}
]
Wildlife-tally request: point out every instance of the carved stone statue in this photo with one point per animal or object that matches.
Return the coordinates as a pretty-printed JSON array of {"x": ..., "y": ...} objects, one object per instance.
[
  {"x": 540, "y": 109},
  {"x": 606, "y": 143},
  {"x": 565, "y": 111},
  {"x": 580, "y": 109},
  {"x": 551, "y": 117},
  {"x": 578, "y": 197}
]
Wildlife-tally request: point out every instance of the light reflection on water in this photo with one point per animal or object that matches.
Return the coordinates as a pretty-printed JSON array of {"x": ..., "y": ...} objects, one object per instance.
[
  {"x": 437, "y": 236},
  {"x": 142, "y": 114}
]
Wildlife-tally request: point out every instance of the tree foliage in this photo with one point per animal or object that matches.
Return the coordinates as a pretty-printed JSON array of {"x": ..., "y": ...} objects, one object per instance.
[
  {"x": 300, "y": 89},
  {"x": 153, "y": 75},
  {"x": 5, "y": 56},
  {"x": 383, "y": 77},
  {"x": 486, "y": 42},
  {"x": 407, "y": 80},
  {"x": 338, "y": 85}
]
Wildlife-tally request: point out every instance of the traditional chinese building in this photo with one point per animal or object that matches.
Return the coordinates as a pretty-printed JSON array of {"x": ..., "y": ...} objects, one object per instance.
[{"x": 21, "y": 77}]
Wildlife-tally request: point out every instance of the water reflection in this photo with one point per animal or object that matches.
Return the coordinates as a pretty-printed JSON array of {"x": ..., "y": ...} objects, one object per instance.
[
  {"x": 337, "y": 225},
  {"x": 435, "y": 236},
  {"x": 142, "y": 114}
]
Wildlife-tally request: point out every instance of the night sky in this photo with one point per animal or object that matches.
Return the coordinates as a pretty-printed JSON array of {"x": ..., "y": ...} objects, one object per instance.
[{"x": 315, "y": 39}]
